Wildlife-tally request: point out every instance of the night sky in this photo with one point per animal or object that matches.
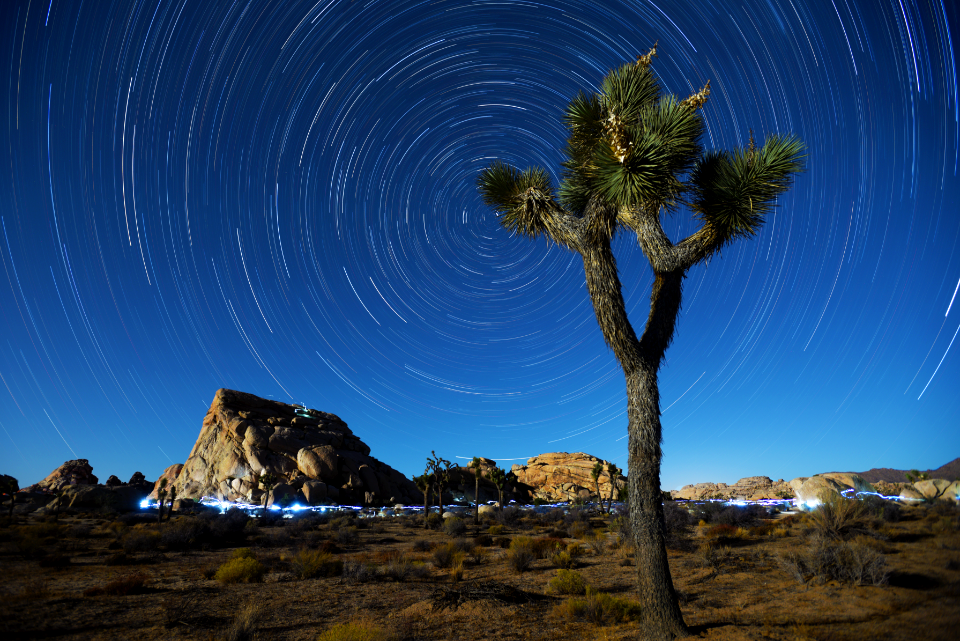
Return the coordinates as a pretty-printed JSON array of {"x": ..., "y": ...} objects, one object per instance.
[{"x": 280, "y": 198}]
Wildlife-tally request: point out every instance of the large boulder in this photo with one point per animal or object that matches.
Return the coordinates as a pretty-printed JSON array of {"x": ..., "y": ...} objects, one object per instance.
[
  {"x": 76, "y": 472},
  {"x": 559, "y": 476},
  {"x": 934, "y": 489},
  {"x": 244, "y": 436},
  {"x": 810, "y": 491},
  {"x": 171, "y": 474},
  {"x": 122, "y": 498}
]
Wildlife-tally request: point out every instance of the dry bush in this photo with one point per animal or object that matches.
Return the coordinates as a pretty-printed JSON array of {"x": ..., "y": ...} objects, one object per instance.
[
  {"x": 567, "y": 582},
  {"x": 422, "y": 545},
  {"x": 307, "y": 564},
  {"x": 564, "y": 561},
  {"x": 443, "y": 554},
  {"x": 357, "y": 631},
  {"x": 712, "y": 557},
  {"x": 454, "y": 526},
  {"x": 856, "y": 562},
  {"x": 244, "y": 625},
  {"x": 496, "y": 530},
  {"x": 544, "y": 546},
  {"x": 598, "y": 608},
  {"x": 348, "y": 535},
  {"x": 241, "y": 570},
  {"x": 725, "y": 532},
  {"x": 520, "y": 555},
  {"x": 397, "y": 567},
  {"x": 140, "y": 540},
  {"x": 479, "y": 554},
  {"x": 596, "y": 542},
  {"x": 837, "y": 517},
  {"x": 354, "y": 572},
  {"x": 121, "y": 586},
  {"x": 456, "y": 568},
  {"x": 578, "y": 530}
]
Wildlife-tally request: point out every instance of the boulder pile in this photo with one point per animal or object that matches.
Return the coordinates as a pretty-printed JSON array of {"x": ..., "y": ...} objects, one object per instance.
[
  {"x": 312, "y": 455},
  {"x": 559, "y": 476}
]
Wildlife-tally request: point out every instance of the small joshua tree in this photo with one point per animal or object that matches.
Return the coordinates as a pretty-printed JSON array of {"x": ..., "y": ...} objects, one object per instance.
[
  {"x": 614, "y": 473},
  {"x": 475, "y": 465},
  {"x": 595, "y": 474},
  {"x": 173, "y": 497},
  {"x": 499, "y": 479},
  {"x": 162, "y": 495},
  {"x": 916, "y": 475},
  {"x": 267, "y": 480},
  {"x": 424, "y": 482},
  {"x": 440, "y": 468}
]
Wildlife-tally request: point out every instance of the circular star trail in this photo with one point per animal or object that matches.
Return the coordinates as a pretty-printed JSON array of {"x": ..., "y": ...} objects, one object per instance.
[{"x": 281, "y": 198}]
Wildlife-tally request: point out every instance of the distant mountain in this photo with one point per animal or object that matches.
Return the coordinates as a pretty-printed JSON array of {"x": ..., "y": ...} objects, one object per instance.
[{"x": 950, "y": 472}]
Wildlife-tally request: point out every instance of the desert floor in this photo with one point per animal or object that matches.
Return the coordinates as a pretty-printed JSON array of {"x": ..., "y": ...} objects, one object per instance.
[{"x": 739, "y": 576}]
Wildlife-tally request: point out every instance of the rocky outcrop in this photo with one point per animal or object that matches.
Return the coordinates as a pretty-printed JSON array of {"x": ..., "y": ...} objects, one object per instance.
[
  {"x": 76, "y": 472},
  {"x": 559, "y": 476},
  {"x": 171, "y": 474},
  {"x": 311, "y": 452},
  {"x": 751, "y": 488}
]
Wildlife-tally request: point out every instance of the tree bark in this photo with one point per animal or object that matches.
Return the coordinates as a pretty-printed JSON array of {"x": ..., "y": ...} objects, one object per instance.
[{"x": 640, "y": 361}]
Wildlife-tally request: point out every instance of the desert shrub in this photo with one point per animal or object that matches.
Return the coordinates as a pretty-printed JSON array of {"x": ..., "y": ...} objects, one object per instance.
[
  {"x": 462, "y": 544},
  {"x": 139, "y": 540},
  {"x": 347, "y": 535},
  {"x": 509, "y": 516},
  {"x": 241, "y": 569},
  {"x": 443, "y": 555},
  {"x": 422, "y": 545},
  {"x": 478, "y": 554},
  {"x": 185, "y": 533},
  {"x": 597, "y": 543},
  {"x": 359, "y": 631},
  {"x": 578, "y": 529},
  {"x": 599, "y": 608},
  {"x": 837, "y": 517},
  {"x": 355, "y": 572},
  {"x": 544, "y": 546},
  {"x": 456, "y": 568},
  {"x": 454, "y": 526},
  {"x": 121, "y": 586},
  {"x": 245, "y": 623},
  {"x": 567, "y": 582},
  {"x": 80, "y": 531},
  {"x": 397, "y": 568},
  {"x": 434, "y": 521},
  {"x": 496, "y": 530},
  {"x": 745, "y": 515},
  {"x": 307, "y": 564},
  {"x": 520, "y": 555},
  {"x": 562, "y": 559},
  {"x": 826, "y": 559},
  {"x": 576, "y": 514},
  {"x": 483, "y": 539},
  {"x": 131, "y": 519},
  {"x": 724, "y": 532},
  {"x": 712, "y": 557},
  {"x": 677, "y": 521}
]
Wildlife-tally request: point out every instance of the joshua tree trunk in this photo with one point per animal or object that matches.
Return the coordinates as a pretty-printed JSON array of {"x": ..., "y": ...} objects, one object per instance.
[
  {"x": 640, "y": 360},
  {"x": 476, "y": 497}
]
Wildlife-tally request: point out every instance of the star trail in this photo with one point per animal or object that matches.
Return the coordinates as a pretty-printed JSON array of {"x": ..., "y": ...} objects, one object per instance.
[{"x": 280, "y": 198}]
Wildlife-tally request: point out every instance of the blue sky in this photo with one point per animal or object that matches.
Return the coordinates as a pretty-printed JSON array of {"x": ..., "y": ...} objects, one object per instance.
[{"x": 280, "y": 198}]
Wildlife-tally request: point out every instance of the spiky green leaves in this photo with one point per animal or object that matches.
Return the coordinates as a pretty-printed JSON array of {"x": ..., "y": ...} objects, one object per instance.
[
  {"x": 523, "y": 200},
  {"x": 733, "y": 192},
  {"x": 627, "y": 90}
]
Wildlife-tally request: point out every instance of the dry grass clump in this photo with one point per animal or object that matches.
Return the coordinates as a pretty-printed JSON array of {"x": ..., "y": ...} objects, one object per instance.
[
  {"x": 244, "y": 625},
  {"x": 140, "y": 540},
  {"x": 121, "y": 586},
  {"x": 242, "y": 568},
  {"x": 725, "y": 532},
  {"x": 496, "y": 530},
  {"x": 567, "y": 582},
  {"x": 520, "y": 556},
  {"x": 454, "y": 526},
  {"x": 308, "y": 564},
  {"x": 856, "y": 562},
  {"x": 837, "y": 517},
  {"x": 598, "y": 608},
  {"x": 355, "y": 631}
]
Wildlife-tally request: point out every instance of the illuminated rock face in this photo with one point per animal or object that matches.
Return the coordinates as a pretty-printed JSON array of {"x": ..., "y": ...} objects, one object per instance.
[
  {"x": 244, "y": 435},
  {"x": 77, "y": 472},
  {"x": 751, "y": 488},
  {"x": 559, "y": 476}
]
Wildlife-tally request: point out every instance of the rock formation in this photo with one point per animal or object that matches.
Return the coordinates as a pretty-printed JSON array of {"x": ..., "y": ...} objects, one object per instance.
[
  {"x": 171, "y": 474},
  {"x": 751, "y": 488},
  {"x": 313, "y": 455},
  {"x": 559, "y": 476},
  {"x": 76, "y": 472}
]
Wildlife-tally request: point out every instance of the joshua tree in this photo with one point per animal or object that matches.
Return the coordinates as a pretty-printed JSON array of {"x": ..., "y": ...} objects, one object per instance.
[
  {"x": 614, "y": 473},
  {"x": 162, "y": 495},
  {"x": 477, "y": 471},
  {"x": 595, "y": 473},
  {"x": 499, "y": 479},
  {"x": 423, "y": 484},
  {"x": 440, "y": 468},
  {"x": 633, "y": 154},
  {"x": 916, "y": 475},
  {"x": 173, "y": 497},
  {"x": 267, "y": 480}
]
